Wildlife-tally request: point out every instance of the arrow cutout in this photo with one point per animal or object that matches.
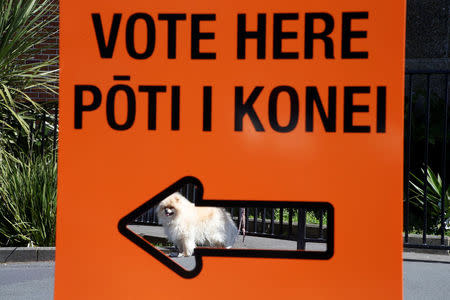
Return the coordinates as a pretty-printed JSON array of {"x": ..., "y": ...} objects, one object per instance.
[{"x": 199, "y": 252}]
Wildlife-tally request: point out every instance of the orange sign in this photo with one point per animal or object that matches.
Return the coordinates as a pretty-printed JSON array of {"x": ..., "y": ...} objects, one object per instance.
[{"x": 258, "y": 103}]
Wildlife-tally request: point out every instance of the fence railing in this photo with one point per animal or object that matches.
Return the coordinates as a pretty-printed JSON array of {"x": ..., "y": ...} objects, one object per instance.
[
  {"x": 34, "y": 133},
  {"x": 279, "y": 223},
  {"x": 426, "y": 211},
  {"x": 46, "y": 128},
  {"x": 426, "y": 197}
]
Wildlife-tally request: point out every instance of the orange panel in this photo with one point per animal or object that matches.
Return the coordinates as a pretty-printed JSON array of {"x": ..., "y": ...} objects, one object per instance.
[{"x": 105, "y": 173}]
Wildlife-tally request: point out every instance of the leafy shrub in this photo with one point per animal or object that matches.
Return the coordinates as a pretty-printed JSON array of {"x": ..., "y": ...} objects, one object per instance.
[
  {"x": 435, "y": 191},
  {"x": 22, "y": 34},
  {"x": 27, "y": 171},
  {"x": 27, "y": 201}
]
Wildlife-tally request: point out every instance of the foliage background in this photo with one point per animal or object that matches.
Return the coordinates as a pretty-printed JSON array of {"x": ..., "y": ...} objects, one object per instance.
[{"x": 27, "y": 162}]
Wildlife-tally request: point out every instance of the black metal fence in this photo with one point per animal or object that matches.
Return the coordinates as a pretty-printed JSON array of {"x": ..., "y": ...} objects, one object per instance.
[
  {"x": 426, "y": 194},
  {"x": 46, "y": 128},
  {"x": 41, "y": 135},
  {"x": 279, "y": 223}
]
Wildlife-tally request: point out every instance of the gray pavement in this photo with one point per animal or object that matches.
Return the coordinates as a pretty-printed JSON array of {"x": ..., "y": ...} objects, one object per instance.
[
  {"x": 27, "y": 281},
  {"x": 34, "y": 281},
  {"x": 155, "y": 235},
  {"x": 250, "y": 242},
  {"x": 425, "y": 276},
  {"x": 426, "y": 281}
]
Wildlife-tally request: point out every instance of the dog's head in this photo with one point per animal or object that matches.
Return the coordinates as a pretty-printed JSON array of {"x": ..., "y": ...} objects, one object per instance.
[{"x": 169, "y": 207}]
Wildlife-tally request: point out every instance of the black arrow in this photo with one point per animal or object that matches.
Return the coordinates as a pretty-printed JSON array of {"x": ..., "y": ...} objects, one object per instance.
[{"x": 199, "y": 252}]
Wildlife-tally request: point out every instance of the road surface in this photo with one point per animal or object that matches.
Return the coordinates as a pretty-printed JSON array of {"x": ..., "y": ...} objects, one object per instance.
[{"x": 35, "y": 281}]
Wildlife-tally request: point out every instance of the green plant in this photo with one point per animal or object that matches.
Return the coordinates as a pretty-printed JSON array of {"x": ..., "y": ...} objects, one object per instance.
[
  {"x": 312, "y": 216},
  {"x": 27, "y": 201},
  {"x": 22, "y": 34},
  {"x": 435, "y": 191}
]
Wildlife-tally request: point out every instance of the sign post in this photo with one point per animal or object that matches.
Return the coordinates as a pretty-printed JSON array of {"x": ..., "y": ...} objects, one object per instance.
[{"x": 259, "y": 102}]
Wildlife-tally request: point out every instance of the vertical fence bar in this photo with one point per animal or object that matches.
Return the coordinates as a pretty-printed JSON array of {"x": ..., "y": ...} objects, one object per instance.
[
  {"x": 263, "y": 221},
  {"x": 301, "y": 230},
  {"x": 408, "y": 157},
  {"x": 188, "y": 191},
  {"x": 444, "y": 163},
  {"x": 290, "y": 222},
  {"x": 55, "y": 131},
  {"x": 31, "y": 135},
  {"x": 427, "y": 133},
  {"x": 147, "y": 216},
  {"x": 321, "y": 224},
  {"x": 255, "y": 220},
  {"x": 183, "y": 190},
  {"x": 272, "y": 222},
  {"x": 194, "y": 193},
  {"x": 281, "y": 221},
  {"x": 191, "y": 192},
  {"x": 43, "y": 136}
]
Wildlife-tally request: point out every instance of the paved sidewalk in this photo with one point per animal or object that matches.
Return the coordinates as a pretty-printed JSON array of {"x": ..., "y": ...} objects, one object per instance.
[
  {"x": 35, "y": 281},
  {"x": 425, "y": 276},
  {"x": 27, "y": 281},
  {"x": 429, "y": 258},
  {"x": 156, "y": 236},
  {"x": 426, "y": 280},
  {"x": 250, "y": 242}
]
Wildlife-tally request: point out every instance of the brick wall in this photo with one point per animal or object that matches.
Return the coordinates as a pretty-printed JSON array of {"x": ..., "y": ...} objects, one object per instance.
[
  {"x": 415, "y": 43},
  {"x": 48, "y": 50}
]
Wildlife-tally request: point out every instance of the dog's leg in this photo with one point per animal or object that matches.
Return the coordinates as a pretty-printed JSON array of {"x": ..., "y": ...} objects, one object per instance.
[
  {"x": 217, "y": 244},
  {"x": 179, "y": 249},
  {"x": 188, "y": 247},
  {"x": 217, "y": 239}
]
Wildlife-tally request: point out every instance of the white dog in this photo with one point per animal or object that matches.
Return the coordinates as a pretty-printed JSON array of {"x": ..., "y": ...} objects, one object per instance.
[{"x": 187, "y": 225}]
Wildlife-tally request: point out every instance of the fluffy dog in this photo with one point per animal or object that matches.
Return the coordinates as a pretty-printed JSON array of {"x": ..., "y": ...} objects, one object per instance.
[{"x": 188, "y": 226}]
